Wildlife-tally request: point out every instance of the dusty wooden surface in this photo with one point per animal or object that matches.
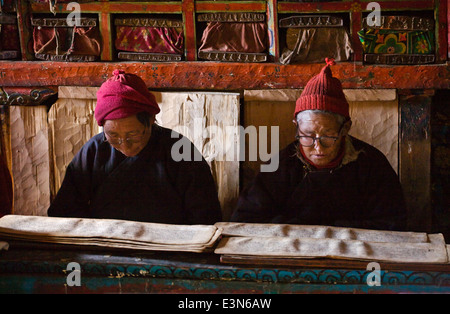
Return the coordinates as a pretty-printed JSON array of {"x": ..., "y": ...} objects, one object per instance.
[{"x": 223, "y": 76}]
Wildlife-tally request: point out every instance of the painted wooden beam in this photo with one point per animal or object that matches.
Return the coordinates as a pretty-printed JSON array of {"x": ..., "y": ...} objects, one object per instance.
[
  {"x": 230, "y": 6},
  {"x": 314, "y": 7},
  {"x": 223, "y": 76},
  {"x": 114, "y": 7}
]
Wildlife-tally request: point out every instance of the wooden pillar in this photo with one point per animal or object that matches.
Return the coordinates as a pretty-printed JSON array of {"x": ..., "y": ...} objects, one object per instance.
[
  {"x": 25, "y": 31},
  {"x": 105, "y": 26},
  {"x": 272, "y": 24},
  {"x": 189, "y": 30},
  {"x": 355, "y": 26},
  {"x": 441, "y": 10},
  {"x": 5, "y": 136},
  {"x": 415, "y": 156}
]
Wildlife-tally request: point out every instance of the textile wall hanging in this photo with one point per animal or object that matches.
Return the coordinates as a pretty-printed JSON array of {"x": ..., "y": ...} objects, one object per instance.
[
  {"x": 313, "y": 38},
  {"x": 234, "y": 37},
  {"x": 9, "y": 36},
  {"x": 145, "y": 39},
  {"x": 211, "y": 121},
  {"x": 398, "y": 40},
  {"x": 30, "y": 160},
  {"x": 56, "y": 41},
  {"x": 71, "y": 124}
]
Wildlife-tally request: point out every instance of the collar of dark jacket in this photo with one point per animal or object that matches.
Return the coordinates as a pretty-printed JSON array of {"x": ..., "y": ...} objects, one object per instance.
[{"x": 350, "y": 155}]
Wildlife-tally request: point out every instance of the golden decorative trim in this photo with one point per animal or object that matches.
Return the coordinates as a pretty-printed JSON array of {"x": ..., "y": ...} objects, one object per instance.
[
  {"x": 395, "y": 59},
  {"x": 62, "y": 22},
  {"x": 232, "y": 56},
  {"x": 311, "y": 21},
  {"x": 148, "y": 22},
  {"x": 402, "y": 23},
  {"x": 157, "y": 57},
  {"x": 70, "y": 58},
  {"x": 232, "y": 17}
]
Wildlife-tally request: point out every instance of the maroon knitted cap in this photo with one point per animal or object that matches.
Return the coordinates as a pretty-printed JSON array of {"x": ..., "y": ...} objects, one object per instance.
[
  {"x": 123, "y": 95},
  {"x": 323, "y": 92}
]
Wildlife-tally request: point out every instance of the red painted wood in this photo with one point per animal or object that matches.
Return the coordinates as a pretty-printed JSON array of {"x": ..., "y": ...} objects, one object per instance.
[
  {"x": 189, "y": 30},
  {"x": 105, "y": 22},
  {"x": 405, "y": 5},
  {"x": 223, "y": 76},
  {"x": 356, "y": 25},
  {"x": 315, "y": 7},
  {"x": 114, "y": 7},
  {"x": 443, "y": 30},
  {"x": 216, "y": 6},
  {"x": 23, "y": 19}
]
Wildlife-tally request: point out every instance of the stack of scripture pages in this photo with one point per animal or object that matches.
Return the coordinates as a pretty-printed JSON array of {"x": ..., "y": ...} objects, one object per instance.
[
  {"x": 305, "y": 241},
  {"x": 109, "y": 233}
]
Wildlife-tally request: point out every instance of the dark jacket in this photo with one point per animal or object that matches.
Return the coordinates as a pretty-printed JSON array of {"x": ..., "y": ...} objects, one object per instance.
[
  {"x": 101, "y": 182},
  {"x": 363, "y": 192}
]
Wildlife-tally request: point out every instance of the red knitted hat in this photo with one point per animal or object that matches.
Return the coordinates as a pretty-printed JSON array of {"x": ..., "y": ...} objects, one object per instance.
[
  {"x": 123, "y": 95},
  {"x": 323, "y": 92}
]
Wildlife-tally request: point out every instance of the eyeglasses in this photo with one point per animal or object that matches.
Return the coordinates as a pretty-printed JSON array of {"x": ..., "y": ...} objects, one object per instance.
[
  {"x": 119, "y": 141},
  {"x": 325, "y": 141}
]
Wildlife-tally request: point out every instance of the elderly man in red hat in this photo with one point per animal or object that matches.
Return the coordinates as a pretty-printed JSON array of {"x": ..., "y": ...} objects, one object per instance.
[
  {"x": 127, "y": 171},
  {"x": 326, "y": 176}
]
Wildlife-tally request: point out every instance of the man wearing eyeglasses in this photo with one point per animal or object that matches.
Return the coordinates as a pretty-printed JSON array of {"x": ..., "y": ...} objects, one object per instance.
[
  {"x": 326, "y": 176},
  {"x": 127, "y": 171}
]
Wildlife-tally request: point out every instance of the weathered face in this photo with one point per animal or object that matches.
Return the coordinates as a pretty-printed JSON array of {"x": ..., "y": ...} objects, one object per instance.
[
  {"x": 127, "y": 135},
  {"x": 317, "y": 125}
]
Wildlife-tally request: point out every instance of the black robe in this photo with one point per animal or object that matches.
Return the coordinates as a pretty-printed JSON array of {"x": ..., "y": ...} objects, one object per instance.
[
  {"x": 101, "y": 182},
  {"x": 363, "y": 193}
]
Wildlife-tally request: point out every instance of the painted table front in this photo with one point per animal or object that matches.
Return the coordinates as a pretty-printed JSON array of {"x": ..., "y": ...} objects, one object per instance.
[{"x": 47, "y": 270}]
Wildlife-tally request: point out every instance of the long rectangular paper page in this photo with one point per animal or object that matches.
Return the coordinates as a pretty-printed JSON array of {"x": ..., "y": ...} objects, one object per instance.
[
  {"x": 155, "y": 233},
  {"x": 318, "y": 232},
  {"x": 109, "y": 242},
  {"x": 433, "y": 252}
]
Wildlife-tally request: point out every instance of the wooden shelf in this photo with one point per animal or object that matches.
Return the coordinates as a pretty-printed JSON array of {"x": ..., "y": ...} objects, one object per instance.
[
  {"x": 187, "y": 9},
  {"x": 112, "y": 7},
  {"x": 227, "y": 6},
  {"x": 344, "y": 6},
  {"x": 191, "y": 74},
  {"x": 223, "y": 76}
]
